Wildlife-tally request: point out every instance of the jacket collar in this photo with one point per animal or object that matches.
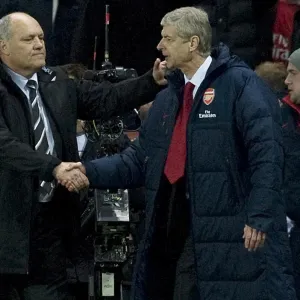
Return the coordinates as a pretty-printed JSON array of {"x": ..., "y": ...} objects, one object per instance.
[{"x": 44, "y": 75}]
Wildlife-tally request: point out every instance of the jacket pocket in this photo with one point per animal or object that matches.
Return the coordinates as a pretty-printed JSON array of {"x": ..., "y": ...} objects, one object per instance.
[{"x": 238, "y": 190}]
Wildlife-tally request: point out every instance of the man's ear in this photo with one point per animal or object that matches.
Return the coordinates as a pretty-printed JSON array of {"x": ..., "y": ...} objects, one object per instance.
[
  {"x": 4, "y": 48},
  {"x": 194, "y": 43}
]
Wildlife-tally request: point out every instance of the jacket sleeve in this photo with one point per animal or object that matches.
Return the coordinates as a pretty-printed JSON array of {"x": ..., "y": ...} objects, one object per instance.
[
  {"x": 20, "y": 157},
  {"x": 259, "y": 121},
  {"x": 104, "y": 100},
  {"x": 124, "y": 170}
]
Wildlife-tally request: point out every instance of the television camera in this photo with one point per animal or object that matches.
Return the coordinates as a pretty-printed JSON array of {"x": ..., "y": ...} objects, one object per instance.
[
  {"x": 116, "y": 74},
  {"x": 109, "y": 210}
]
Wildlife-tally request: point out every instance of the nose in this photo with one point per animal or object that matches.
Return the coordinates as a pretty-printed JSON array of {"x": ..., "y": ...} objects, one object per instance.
[
  {"x": 38, "y": 43},
  {"x": 159, "y": 45},
  {"x": 287, "y": 81}
]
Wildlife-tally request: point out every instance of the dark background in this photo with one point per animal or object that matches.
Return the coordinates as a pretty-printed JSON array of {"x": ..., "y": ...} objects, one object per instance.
[{"x": 135, "y": 28}]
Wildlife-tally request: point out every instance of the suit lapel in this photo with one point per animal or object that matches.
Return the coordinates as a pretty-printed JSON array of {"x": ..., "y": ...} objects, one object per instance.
[{"x": 52, "y": 104}]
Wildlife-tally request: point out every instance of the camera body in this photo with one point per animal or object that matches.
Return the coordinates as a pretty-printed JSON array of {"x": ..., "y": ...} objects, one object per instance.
[
  {"x": 113, "y": 243},
  {"x": 114, "y": 75},
  {"x": 107, "y": 131}
]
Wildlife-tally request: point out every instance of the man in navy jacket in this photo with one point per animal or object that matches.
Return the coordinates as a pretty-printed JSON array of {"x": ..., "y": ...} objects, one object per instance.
[{"x": 215, "y": 222}]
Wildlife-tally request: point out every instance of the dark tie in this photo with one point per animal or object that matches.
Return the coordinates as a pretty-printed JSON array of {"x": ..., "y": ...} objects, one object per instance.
[
  {"x": 40, "y": 136},
  {"x": 41, "y": 142},
  {"x": 175, "y": 164}
]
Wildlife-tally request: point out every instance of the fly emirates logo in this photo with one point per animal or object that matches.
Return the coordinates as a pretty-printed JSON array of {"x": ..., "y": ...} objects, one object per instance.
[
  {"x": 207, "y": 114},
  {"x": 281, "y": 50}
]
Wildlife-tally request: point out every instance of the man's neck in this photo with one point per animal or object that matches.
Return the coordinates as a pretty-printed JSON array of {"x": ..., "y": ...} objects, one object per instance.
[
  {"x": 25, "y": 73},
  {"x": 192, "y": 66}
]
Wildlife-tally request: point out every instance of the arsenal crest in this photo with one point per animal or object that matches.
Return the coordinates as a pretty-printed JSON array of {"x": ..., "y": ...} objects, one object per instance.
[{"x": 209, "y": 96}]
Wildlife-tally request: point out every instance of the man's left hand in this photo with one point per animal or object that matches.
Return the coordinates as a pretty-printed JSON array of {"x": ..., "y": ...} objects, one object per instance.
[
  {"x": 159, "y": 72},
  {"x": 253, "y": 238}
]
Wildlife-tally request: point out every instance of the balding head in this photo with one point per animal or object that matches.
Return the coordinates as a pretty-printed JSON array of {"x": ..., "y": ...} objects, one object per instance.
[
  {"x": 6, "y": 23},
  {"x": 22, "y": 43}
]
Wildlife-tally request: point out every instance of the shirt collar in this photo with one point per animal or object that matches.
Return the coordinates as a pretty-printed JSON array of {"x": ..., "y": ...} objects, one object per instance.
[
  {"x": 20, "y": 80},
  {"x": 199, "y": 76}
]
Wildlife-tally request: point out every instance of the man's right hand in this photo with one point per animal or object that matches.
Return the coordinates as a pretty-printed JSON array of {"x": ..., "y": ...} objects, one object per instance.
[
  {"x": 71, "y": 175},
  {"x": 159, "y": 72}
]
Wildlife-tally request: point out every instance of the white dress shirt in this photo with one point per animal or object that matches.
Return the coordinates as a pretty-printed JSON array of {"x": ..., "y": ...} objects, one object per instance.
[
  {"x": 81, "y": 143},
  {"x": 199, "y": 76}
]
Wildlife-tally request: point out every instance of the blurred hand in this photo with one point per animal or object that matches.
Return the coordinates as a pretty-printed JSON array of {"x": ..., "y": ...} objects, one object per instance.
[
  {"x": 159, "y": 71},
  {"x": 253, "y": 238},
  {"x": 71, "y": 176},
  {"x": 73, "y": 167}
]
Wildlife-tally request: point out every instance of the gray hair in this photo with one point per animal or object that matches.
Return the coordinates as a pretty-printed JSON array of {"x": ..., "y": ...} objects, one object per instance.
[
  {"x": 190, "y": 21},
  {"x": 5, "y": 28}
]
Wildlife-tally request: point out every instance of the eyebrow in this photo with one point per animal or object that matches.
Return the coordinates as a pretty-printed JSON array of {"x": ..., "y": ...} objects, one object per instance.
[
  {"x": 292, "y": 70},
  {"x": 33, "y": 35}
]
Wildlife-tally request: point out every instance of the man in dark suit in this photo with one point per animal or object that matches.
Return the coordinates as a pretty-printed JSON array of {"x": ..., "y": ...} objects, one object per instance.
[{"x": 38, "y": 113}]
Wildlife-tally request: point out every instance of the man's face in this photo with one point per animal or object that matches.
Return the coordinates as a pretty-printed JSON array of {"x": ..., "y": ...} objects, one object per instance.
[
  {"x": 175, "y": 49},
  {"x": 25, "y": 51},
  {"x": 293, "y": 83}
]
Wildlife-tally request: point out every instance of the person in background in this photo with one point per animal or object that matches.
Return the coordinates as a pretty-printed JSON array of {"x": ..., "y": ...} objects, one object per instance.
[
  {"x": 274, "y": 74},
  {"x": 245, "y": 26},
  {"x": 286, "y": 30}
]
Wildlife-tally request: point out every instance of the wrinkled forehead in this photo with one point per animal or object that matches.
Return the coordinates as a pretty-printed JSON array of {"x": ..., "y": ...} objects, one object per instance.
[{"x": 169, "y": 31}]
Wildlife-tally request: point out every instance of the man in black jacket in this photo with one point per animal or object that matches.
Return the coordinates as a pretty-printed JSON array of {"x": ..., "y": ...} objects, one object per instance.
[{"x": 38, "y": 114}]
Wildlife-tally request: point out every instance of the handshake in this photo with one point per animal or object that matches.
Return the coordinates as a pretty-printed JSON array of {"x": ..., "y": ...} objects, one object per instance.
[{"x": 72, "y": 176}]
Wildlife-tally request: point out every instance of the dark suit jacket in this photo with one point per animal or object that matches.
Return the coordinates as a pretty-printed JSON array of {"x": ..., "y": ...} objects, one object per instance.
[{"x": 21, "y": 167}]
